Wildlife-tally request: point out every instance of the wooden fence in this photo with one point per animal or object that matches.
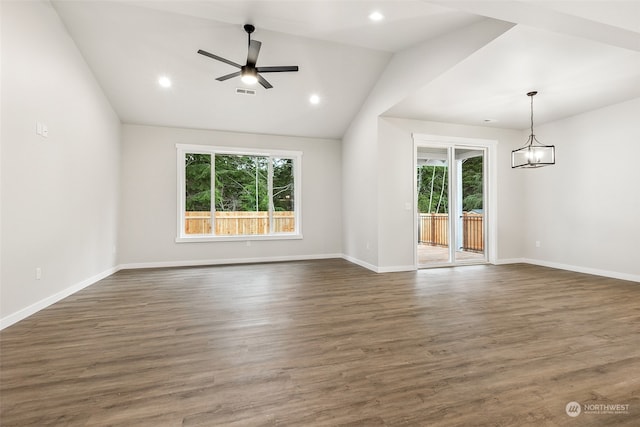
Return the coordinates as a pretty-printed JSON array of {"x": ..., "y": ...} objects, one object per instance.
[
  {"x": 238, "y": 223},
  {"x": 433, "y": 229}
]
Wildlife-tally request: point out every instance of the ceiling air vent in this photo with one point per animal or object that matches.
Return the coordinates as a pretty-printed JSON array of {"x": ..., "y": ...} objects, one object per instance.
[{"x": 243, "y": 91}]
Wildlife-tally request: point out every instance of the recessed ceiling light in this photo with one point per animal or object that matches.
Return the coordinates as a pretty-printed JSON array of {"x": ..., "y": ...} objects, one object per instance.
[
  {"x": 376, "y": 16},
  {"x": 164, "y": 81},
  {"x": 314, "y": 99}
]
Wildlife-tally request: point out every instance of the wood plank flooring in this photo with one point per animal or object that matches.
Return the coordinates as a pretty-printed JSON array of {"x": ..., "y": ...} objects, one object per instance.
[{"x": 324, "y": 343}]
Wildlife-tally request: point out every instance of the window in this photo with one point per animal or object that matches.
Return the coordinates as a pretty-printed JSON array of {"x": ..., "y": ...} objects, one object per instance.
[{"x": 229, "y": 194}]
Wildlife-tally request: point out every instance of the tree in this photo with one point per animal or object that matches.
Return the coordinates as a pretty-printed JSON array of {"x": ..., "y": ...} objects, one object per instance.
[
  {"x": 241, "y": 183},
  {"x": 472, "y": 184},
  {"x": 198, "y": 182},
  {"x": 283, "y": 185},
  {"x": 433, "y": 187}
]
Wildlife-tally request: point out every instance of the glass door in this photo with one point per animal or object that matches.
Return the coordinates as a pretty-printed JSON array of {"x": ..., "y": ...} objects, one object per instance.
[
  {"x": 470, "y": 193},
  {"x": 433, "y": 206},
  {"x": 451, "y": 192}
]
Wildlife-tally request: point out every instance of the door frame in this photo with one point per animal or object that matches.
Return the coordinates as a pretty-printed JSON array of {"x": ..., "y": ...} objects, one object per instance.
[{"x": 491, "y": 180}]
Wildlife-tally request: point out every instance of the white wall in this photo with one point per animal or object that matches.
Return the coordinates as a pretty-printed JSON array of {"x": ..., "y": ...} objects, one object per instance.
[
  {"x": 396, "y": 187},
  {"x": 360, "y": 192},
  {"x": 59, "y": 194},
  {"x": 584, "y": 211},
  {"x": 412, "y": 68},
  {"x": 149, "y": 199}
]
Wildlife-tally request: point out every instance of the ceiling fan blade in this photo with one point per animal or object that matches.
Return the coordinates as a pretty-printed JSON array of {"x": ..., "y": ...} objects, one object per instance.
[
  {"x": 265, "y": 84},
  {"x": 219, "y": 58},
  {"x": 254, "y": 51},
  {"x": 228, "y": 76},
  {"x": 280, "y": 69}
]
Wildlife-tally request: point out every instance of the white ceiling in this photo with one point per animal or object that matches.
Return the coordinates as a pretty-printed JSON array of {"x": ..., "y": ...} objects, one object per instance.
[
  {"x": 579, "y": 55},
  {"x": 571, "y": 75}
]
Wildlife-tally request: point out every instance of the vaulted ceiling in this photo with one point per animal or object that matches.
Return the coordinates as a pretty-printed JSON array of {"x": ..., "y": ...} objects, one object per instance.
[{"x": 579, "y": 55}]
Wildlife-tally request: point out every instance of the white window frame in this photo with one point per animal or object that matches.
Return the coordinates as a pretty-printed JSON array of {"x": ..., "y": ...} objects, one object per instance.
[{"x": 183, "y": 149}]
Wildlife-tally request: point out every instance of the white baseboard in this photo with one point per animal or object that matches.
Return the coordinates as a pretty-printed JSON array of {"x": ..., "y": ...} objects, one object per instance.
[
  {"x": 586, "y": 270},
  {"x": 360, "y": 263},
  {"x": 19, "y": 315},
  {"x": 510, "y": 261},
  {"x": 203, "y": 262},
  {"x": 396, "y": 268},
  {"x": 504, "y": 261},
  {"x": 389, "y": 269}
]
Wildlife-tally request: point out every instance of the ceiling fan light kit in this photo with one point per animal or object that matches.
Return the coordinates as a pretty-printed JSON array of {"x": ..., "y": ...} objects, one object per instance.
[
  {"x": 534, "y": 154},
  {"x": 250, "y": 73},
  {"x": 249, "y": 76}
]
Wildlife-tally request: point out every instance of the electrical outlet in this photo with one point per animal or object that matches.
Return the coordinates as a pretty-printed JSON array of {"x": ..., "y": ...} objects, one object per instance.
[
  {"x": 38, "y": 273},
  {"x": 537, "y": 243},
  {"x": 42, "y": 129}
]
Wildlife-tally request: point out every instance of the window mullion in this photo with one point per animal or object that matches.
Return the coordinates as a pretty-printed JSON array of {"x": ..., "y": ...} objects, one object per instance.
[
  {"x": 182, "y": 162},
  {"x": 270, "y": 193},
  {"x": 212, "y": 204}
]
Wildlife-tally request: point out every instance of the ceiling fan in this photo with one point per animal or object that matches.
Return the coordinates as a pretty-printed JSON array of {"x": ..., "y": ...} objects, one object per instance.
[{"x": 250, "y": 73}]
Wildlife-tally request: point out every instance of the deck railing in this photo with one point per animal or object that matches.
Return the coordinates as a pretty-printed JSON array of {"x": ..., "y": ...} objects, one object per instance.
[{"x": 433, "y": 229}]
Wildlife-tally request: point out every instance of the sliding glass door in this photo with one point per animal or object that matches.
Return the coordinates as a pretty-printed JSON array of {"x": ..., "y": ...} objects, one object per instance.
[
  {"x": 432, "y": 173},
  {"x": 468, "y": 205},
  {"x": 451, "y": 193}
]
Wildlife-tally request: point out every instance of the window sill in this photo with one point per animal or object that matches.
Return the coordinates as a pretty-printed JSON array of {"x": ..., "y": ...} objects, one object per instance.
[{"x": 197, "y": 238}]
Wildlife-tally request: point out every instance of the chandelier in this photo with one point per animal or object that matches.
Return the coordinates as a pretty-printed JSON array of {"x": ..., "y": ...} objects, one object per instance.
[{"x": 534, "y": 154}]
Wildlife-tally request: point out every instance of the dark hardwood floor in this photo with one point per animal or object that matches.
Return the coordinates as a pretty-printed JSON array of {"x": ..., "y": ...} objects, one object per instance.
[{"x": 322, "y": 343}]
